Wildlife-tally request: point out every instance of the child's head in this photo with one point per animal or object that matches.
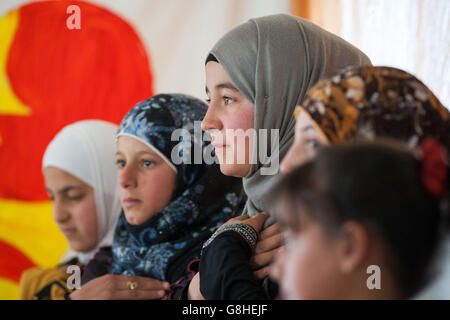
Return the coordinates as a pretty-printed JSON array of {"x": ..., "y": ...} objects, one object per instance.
[
  {"x": 148, "y": 178},
  {"x": 80, "y": 181},
  {"x": 363, "y": 104},
  {"x": 253, "y": 89},
  {"x": 355, "y": 206}
]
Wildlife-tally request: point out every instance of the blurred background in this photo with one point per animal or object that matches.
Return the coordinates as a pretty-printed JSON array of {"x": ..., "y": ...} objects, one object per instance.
[{"x": 126, "y": 51}]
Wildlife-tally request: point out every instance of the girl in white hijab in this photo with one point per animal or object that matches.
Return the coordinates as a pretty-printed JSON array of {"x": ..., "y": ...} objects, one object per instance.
[{"x": 80, "y": 178}]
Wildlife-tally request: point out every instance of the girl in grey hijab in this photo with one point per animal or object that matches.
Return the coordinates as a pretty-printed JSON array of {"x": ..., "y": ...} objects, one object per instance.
[
  {"x": 273, "y": 61},
  {"x": 255, "y": 76}
]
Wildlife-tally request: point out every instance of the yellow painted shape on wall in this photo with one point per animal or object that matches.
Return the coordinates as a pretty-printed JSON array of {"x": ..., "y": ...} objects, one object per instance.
[
  {"x": 9, "y": 290},
  {"x": 9, "y": 102},
  {"x": 29, "y": 227}
]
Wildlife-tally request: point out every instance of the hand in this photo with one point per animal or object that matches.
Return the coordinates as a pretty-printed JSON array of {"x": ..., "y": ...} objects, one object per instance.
[
  {"x": 194, "y": 288},
  {"x": 256, "y": 222},
  {"x": 270, "y": 242},
  {"x": 116, "y": 287}
]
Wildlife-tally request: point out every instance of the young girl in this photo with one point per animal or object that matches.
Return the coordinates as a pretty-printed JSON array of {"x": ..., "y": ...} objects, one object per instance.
[
  {"x": 169, "y": 208},
  {"x": 80, "y": 180},
  {"x": 364, "y": 221},
  {"x": 255, "y": 76},
  {"x": 364, "y": 104}
]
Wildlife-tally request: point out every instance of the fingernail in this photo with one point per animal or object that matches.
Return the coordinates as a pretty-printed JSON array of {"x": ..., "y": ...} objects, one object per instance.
[
  {"x": 265, "y": 213},
  {"x": 161, "y": 293},
  {"x": 166, "y": 285}
]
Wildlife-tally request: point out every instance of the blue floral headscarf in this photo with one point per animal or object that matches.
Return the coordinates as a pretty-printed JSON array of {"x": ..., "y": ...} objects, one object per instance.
[{"x": 203, "y": 198}]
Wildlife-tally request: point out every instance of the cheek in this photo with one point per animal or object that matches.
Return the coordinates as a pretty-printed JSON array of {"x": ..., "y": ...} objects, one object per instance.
[
  {"x": 239, "y": 117},
  {"x": 85, "y": 217},
  {"x": 294, "y": 158},
  {"x": 296, "y": 267},
  {"x": 306, "y": 273},
  {"x": 157, "y": 188},
  {"x": 240, "y": 135}
]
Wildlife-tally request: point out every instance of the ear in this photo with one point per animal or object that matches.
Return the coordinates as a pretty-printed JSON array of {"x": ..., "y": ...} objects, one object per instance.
[{"x": 352, "y": 246}]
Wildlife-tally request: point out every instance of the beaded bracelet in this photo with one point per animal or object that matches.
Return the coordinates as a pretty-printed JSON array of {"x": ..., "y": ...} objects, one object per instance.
[{"x": 244, "y": 230}]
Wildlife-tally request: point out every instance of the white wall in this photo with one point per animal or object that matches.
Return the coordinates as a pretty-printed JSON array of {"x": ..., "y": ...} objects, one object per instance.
[
  {"x": 178, "y": 34},
  {"x": 413, "y": 35}
]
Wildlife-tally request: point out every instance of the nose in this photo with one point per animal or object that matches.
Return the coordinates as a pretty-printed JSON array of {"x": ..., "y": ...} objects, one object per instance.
[
  {"x": 211, "y": 119},
  {"x": 127, "y": 177},
  {"x": 60, "y": 213}
]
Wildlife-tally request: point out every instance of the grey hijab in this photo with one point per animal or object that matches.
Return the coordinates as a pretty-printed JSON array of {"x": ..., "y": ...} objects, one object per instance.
[{"x": 273, "y": 61}]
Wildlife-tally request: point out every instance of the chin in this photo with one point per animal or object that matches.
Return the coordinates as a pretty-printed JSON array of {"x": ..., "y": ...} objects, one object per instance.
[
  {"x": 81, "y": 247},
  {"x": 136, "y": 218},
  {"x": 235, "y": 170},
  {"x": 133, "y": 219}
]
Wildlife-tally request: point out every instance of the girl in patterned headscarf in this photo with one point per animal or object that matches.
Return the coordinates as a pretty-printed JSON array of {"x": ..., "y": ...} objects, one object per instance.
[
  {"x": 368, "y": 103},
  {"x": 169, "y": 209},
  {"x": 171, "y": 201},
  {"x": 363, "y": 104}
]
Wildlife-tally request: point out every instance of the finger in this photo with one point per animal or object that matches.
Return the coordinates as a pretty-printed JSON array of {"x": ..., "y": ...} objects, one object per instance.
[
  {"x": 271, "y": 243},
  {"x": 238, "y": 218},
  {"x": 144, "y": 283},
  {"x": 261, "y": 260},
  {"x": 270, "y": 231},
  {"x": 241, "y": 217},
  {"x": 261, "y": 273},
  {"x": 139, "y": 294},
  {"x": 258, "y": 220}
]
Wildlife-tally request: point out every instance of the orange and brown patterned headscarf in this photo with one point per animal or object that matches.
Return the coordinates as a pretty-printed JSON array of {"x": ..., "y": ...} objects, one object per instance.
[{"x": 369, "y": 102}]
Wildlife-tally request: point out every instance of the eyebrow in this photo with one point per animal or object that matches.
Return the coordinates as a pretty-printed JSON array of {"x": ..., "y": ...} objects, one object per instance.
[
  {"x": 149, "y": 152},
  {"x": 309, "y": 127},
  {"x": 225, "y": 85},
  {"x": 65, "y": 189}
]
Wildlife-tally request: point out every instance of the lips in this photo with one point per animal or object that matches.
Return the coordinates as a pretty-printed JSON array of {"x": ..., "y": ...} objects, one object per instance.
[
  {"x": 131, "y": 202},
  {"x": 68, "y": 231}
]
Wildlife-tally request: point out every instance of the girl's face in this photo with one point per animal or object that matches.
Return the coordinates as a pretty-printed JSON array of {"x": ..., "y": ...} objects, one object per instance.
[
  {"x": 308, "y": 267},
  {"x": 307, "y": 140},
  {"x": 74, "y": 209},
  {"x": 228, "y": 111},
  {"x": 146, "y": 181}
]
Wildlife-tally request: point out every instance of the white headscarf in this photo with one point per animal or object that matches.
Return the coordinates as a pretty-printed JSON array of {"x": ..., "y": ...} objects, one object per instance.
[{"x": 86, "y": 149}]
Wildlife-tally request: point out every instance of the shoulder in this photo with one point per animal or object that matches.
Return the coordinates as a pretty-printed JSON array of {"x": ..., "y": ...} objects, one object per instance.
[{"x": 43, "y": 283}]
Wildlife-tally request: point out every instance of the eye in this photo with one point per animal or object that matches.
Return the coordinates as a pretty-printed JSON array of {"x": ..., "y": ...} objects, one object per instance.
[
  {"x": 313, "y": 144},
  {"x": 228, "y": 100},
  {"x": 148, "y": 163},
  {"x": 75, "y": 197},
  {"x": 120, "y": 164}
]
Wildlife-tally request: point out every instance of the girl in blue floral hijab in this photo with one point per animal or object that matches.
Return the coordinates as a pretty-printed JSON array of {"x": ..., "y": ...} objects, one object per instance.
[{"x": 171, "y": 205}]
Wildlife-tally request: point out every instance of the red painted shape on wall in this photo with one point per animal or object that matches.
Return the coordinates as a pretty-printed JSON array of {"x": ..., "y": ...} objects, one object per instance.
[{"x": 97, "y": 72}]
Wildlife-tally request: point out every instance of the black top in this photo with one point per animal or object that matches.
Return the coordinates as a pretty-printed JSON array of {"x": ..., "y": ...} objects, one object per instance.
[{"x": 225, "y": 272}]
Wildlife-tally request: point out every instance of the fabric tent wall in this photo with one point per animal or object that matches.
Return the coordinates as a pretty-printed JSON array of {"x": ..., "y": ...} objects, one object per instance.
[{"x": 408, "y": 34}]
